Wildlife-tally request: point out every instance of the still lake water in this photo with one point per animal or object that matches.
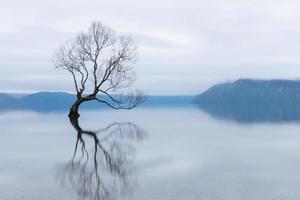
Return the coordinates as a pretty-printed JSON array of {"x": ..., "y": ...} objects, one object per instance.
[{"x": 147, "y": 154}]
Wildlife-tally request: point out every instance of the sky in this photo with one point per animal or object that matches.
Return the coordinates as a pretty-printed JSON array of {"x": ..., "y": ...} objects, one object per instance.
[{"x": 184, "y": 46}]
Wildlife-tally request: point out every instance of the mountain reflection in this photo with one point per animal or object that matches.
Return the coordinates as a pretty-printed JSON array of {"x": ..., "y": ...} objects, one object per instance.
[
  {"x": 107, "y": 168},
  {"x": 251, "y": 112}
]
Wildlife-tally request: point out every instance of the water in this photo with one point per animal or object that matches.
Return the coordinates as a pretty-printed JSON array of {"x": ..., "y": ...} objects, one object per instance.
[{"x": 163, "y": 154}]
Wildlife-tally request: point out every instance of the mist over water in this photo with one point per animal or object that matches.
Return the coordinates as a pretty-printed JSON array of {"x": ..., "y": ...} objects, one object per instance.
[{"x": 162, "y": 153}]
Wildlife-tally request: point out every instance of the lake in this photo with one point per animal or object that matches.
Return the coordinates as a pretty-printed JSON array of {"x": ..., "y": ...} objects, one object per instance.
[{"x": 147, "y": 154}]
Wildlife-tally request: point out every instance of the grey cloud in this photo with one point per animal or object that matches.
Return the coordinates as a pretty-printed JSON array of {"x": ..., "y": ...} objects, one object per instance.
[{"x": 185, "y": 46}]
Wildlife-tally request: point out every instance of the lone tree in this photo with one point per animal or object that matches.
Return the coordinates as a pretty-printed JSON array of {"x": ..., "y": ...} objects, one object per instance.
[{"x": 101, "y": 64}]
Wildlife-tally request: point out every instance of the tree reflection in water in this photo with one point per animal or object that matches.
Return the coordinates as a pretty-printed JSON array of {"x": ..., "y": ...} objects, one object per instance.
[{"x": 105, "y": 170}]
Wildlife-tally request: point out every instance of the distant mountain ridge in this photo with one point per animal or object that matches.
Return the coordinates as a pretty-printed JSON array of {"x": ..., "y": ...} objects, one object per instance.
[
  {"x": 246, "y": 90},
  {"x": 248, "y": 100},
  {"x": 8, "y": 102},
  {"x": 241, "y": 100},
  {"x": 57, "y": 101}
]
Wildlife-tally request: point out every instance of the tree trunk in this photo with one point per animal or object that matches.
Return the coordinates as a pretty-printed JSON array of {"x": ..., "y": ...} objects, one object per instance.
[{"x": 74, "y": 109}]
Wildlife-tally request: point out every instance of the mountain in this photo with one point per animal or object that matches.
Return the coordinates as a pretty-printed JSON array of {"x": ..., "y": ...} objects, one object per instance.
[
  {"x": 9, "y": 103},
  {"x": 247, "y": 90},
  {"x": 44, "y": 101},
  {"x": 60, "y": 101},
  {"x": 247, "y": 100}
]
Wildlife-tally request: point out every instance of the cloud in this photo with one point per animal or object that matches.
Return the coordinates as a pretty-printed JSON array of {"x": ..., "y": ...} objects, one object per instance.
[{"x": 185, "y": 46}]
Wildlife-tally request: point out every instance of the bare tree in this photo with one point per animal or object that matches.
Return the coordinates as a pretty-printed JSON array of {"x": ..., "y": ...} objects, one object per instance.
[{"x": 101, "y": 64}]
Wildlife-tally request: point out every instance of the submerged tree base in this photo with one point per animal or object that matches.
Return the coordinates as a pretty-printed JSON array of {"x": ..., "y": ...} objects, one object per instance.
[{"x": 74, "y": 115}]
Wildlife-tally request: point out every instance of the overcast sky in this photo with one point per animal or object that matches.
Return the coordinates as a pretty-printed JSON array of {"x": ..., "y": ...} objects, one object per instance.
[{"x": 184, "y": 46}]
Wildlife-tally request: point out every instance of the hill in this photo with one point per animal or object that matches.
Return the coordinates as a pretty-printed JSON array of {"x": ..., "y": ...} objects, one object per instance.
[
  {"x": 9, "y": 103},
  {"x": 60, "y": 101},
  {"x": 247, "y": 100}
]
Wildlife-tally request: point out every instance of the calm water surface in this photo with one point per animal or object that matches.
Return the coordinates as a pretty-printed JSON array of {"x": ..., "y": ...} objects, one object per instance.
[{"x": 162, "y": 154}]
